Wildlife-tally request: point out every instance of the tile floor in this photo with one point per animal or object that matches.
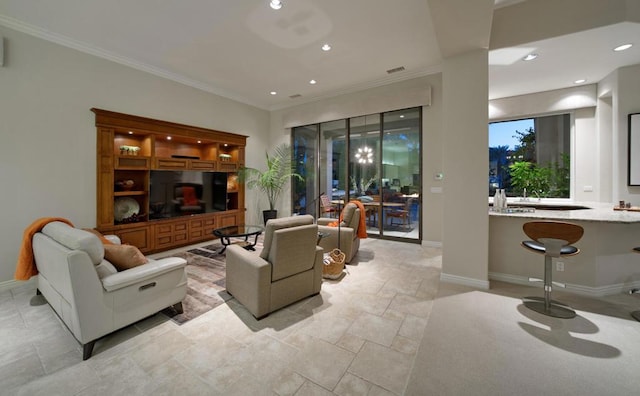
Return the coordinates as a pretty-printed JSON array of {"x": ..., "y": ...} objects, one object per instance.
[{"x": 358, "y": 337}]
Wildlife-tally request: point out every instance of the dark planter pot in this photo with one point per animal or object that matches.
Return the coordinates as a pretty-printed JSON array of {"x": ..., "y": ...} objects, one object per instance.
[{"x": 269, "y": 214}]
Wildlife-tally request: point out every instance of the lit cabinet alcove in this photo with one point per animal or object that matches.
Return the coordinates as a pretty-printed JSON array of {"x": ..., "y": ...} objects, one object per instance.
[{"x": 161, "y": 185}]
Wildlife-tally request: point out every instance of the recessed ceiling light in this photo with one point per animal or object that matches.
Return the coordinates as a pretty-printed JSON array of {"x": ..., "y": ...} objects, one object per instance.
[
  {"x": 580, "y": 81},
  {"x": 623, "y": 47},
  {"x": 168, "y": 137},
  {"x": 530, "y": 57},
  {"x": 276, "y": 4},
  {"x": 401, "y": 115},
  {"x": 199, "y": 141},
  {"x": 273, "y": 93},
  {"x": 130, "y": 133},
  {"x": 326, "y": 47},
  {"x": 312, "y": 82}
]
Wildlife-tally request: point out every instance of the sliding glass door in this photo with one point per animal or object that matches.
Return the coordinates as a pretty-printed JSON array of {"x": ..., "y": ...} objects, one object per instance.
[
  {"x": 375, "y": 159},
  {"x": 401, "y": 176},
  {"x": 364, "y": 167},
  {"x": 334, "y": 186},
  {"x": 305, "y": 153}
]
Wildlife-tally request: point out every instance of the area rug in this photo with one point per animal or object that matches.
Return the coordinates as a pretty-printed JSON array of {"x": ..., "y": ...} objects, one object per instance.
[{"x": 206, "y": 272}]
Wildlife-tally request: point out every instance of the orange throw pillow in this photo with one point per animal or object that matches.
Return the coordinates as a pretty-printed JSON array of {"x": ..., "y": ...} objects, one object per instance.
[{"x": 124, "y": 257}]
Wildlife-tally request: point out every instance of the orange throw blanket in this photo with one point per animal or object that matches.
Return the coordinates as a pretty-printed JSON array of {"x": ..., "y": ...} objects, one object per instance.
[
  {"x": 26, "y": 265},
  {"x": 362, "y": 227}
]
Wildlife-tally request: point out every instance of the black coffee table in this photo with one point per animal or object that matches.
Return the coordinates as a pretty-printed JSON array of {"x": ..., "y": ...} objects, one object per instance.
[{"x": 238, "y": 231}]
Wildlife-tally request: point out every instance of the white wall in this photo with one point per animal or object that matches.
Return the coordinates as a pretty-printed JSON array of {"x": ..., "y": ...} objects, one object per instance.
[
  {"x": 465, "y": 232},
  {"x": 618, "y": 96},
  {"x": 604, "y": 157},
  {"x": 48, "y": 137},
  {"x": 432, "y": 164},
  {"x": 585, "y": 182},
  {"x": 626, "y": 101}
]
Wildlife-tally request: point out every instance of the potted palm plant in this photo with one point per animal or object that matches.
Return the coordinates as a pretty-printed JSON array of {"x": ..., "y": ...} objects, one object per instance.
[{"x": 271, "y": 181}]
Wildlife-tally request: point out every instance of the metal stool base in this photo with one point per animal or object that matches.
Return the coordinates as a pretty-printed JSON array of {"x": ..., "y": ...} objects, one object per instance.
[
  {"x": 556, "y": 309},
  {"x": 636, "y": 315}
]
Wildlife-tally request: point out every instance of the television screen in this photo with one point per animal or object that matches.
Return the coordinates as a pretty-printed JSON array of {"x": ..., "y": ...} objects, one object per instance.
[{"x": 183, "y": 193}]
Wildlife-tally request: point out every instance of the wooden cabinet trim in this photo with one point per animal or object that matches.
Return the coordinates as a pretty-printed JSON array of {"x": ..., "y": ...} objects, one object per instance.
[{"x": 111, "y": 119}]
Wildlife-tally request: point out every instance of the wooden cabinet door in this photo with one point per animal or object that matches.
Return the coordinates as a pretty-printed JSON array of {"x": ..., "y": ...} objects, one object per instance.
[
  {"x": 138, "y": 237},
  {"x": 171, "y": 234},
  {"x": 201, "y": 229},
  {"x": 228, "y": 220}
]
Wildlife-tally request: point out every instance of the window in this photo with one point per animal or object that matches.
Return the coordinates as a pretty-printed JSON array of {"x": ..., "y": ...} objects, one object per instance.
[{"x": 531, "y": 157}]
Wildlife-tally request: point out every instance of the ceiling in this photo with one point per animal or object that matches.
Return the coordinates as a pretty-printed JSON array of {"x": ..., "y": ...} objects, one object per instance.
[
  {"x": 562, "y": 60},
  {"x": 243, "y": 49}
]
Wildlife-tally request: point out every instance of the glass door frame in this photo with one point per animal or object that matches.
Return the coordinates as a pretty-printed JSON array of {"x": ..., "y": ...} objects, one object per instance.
[{"x": 313, "y": 202}]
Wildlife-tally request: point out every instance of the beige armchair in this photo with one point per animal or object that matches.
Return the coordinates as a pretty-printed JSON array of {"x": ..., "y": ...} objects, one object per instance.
[
  {"x": 349, "y": 241},
  {"x": 89, "y": 295},
  {"x": 288, "y": 269}
]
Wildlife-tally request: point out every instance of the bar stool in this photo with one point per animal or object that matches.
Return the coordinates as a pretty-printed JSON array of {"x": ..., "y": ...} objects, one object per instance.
[
  {"x": 553, "y": 239},
  {"x": 635, "y": 314}
]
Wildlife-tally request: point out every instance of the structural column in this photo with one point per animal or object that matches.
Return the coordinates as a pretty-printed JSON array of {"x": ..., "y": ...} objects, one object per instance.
[{"x": 465, "y": 166}]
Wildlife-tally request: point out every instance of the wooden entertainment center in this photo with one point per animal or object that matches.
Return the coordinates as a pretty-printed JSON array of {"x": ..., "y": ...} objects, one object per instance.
[{"x": 131, "y": 148}]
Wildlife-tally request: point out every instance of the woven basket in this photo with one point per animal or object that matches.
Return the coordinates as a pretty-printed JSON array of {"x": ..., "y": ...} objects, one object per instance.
[{"x": 333, "y": 264}]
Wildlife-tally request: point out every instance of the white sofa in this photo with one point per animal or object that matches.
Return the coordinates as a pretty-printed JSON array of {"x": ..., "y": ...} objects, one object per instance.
[{"x": 91, "y": 297}]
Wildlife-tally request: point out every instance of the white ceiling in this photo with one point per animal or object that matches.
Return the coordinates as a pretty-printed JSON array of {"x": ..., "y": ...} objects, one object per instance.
[
  {"x": 562, "y": 60},
  {"x": 243, "y": 49}
]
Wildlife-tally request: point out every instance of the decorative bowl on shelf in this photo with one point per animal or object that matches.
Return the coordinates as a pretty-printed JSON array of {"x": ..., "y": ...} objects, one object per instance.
[
  {"x": 125, "y": 185},
  {"x": 129, "y": 150},
  {"x": 124, "y": 208}
]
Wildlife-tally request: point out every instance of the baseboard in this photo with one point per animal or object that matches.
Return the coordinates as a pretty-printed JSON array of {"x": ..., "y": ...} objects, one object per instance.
[
  {"x": 11, "y": 284},
  {"x": 508, "y": 278},
  {"x": 588, "y": 291},
  {"x": 433, "y": 244},
  {"x": 461, "y": 280}
]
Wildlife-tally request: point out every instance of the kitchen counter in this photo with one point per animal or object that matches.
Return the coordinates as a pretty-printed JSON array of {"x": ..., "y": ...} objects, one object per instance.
[
  {"x": 570, "y": 211},
  {"x": 606, "y": 264}
]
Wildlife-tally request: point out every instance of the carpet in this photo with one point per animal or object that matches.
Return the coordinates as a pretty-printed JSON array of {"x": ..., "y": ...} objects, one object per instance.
[
  {"x": 206, "y": 272},
  {"x": 478, "y": 343}
]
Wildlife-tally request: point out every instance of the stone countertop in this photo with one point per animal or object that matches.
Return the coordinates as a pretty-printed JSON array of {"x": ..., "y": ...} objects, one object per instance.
[{"x": 597, "y": 211}]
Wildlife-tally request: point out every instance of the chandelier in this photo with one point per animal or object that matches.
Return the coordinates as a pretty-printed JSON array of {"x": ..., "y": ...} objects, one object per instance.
[
  {"x": 365, "y": 155},
  {"x": 276, "y": 4}
]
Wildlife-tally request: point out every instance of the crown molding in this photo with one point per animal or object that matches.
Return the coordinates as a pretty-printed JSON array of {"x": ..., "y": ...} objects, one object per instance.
[
  {"x": 84, "y": 47},
  {"x": 403, "y": 76}
]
